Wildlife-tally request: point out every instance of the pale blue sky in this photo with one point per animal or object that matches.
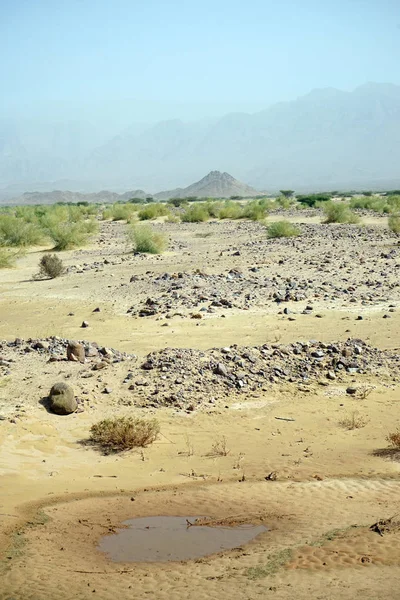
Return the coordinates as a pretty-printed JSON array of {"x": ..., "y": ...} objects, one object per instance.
[{"x": 126, "y": 60}]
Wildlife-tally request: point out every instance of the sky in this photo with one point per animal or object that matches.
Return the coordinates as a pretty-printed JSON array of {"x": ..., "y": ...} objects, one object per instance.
[{"x": 125, "y": 61}]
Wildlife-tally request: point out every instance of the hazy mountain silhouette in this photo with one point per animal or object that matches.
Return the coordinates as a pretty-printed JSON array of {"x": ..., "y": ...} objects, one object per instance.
[
  {"x": 326, "y": 139},
  {"x": 213, "y": 185}
]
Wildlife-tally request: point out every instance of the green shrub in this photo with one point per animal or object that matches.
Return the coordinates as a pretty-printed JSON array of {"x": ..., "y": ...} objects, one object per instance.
[
  {"x": 14, "y": 231},
  {"x": 146, "y": 240},
  {"x": 231, "y": 210},
  {"x": 339, "y": 213},
  {"x": 256, "y": 210},
  {"x": 152, "y": 211},
  {"x": 213, "y": 209},
  {"x": 285, "y": 202},
  {"x": 196, "y": 213},
  {"x": 66, "y": 235},
  {"x": 50, "y": 266},
  {"x": 8, "y": 257},
  {"x": 124, "y": 433},
  {"x": 282, "y": 229},
  {"x": 312, "y": 199},
  {"x": 178, "y": 202},
  {"x": 394, "y": 223}
]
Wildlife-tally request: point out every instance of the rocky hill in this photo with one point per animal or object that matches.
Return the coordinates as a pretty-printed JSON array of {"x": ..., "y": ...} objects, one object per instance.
[{"x": 213, "y": 185}]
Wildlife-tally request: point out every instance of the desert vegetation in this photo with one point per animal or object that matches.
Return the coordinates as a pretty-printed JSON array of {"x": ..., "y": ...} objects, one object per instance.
[
  {"x": 145, "y": 239},
  {"x": 336, "y": 212},
  {"x": 283, "y": 229},
  {"x": 394, "y": 223},
  {"x": 50, "y": 266},
  {"x": 394, "y": 439},
  {"x": 124, "y": 433}
]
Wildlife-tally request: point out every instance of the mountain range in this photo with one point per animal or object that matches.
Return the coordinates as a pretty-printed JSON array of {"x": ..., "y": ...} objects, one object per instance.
[
  {"x": 213, "y": 185},
  {"x": 324, "y": 140}
]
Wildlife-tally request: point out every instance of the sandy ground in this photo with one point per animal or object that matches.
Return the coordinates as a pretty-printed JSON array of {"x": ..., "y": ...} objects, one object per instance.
[{"x": 59, "y": 497}]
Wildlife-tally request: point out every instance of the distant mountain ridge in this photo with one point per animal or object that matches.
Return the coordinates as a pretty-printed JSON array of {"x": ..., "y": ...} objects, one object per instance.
[
  {"x": 67, "y": 196},
  {"x": 213, "y": 185},
  {"x": 324, "y": 140}
]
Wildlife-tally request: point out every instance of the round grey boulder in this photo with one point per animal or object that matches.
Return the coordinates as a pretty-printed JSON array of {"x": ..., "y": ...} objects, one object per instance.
[{"x": 62, "y": 399}]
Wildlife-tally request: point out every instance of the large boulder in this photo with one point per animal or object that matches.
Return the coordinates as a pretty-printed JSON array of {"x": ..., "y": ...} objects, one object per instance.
[
  {"x": 76, "y": 352},
  {"x": 62, "y": 399}
]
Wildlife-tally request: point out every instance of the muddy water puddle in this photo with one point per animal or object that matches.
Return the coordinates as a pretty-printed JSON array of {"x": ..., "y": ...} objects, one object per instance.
[{"x": 160, "y": 539}]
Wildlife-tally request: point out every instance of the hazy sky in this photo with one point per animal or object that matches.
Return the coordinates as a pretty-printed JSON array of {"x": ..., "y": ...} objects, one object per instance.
[{"x": 126, "y": 60}]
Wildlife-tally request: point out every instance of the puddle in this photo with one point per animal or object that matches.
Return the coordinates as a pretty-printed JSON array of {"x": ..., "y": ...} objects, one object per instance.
[{"x": 160, "y": 539}]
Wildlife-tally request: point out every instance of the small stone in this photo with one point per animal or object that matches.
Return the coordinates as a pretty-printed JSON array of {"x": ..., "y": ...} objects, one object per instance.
[
  {"x": 85, "y": 324},
  {"x": 107, "y": 390},
  {"x": 331, "y": 375},
  {"x": 100, "y": 365},
  {"x": 97, "y": 310},
  {"x": 42, "y": 345},
  {"x": 221, "y": 370},
  {"x": 351, "y": 390},
  {"x": 75, "y": 352}
]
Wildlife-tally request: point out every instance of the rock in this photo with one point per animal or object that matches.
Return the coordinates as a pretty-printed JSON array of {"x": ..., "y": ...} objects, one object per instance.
[
  {"x": 91, "y": 351},
  {"x": 101, "y": 365},
  {"x": 85, "y": 324},
  {"x": 42, "y": 345},
  {"x": 351, "y": 390},
  {"x": 96, "y": 309},
  {"x": 221, "y": 370},
  {"x": 330, "y": 375},
  {"x": 62, "y": 400},
  {"x": 76, "y": 352},
  {"x": 107, "y": 390}
]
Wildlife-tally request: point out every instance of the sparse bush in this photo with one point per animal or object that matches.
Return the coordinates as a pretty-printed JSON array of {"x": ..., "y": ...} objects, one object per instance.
[
  {"x": 51, "y": 266},
  {"x": 124, "y": 433},
  {"x": 219, "y": 447},
  {"x": 122, "y": 212},
  {"x": 231, "y": 210},
  {"x": 152, "y": 211},
  {"x": 146, "y": 240},
  {"x": 172, "y": 219},
  {"x": 15, "y": 231},
  {"x": 287, "y": 193},
  {"x": 354, "y": 421},
  {"x": 282, "y": 229},
  {"x": 312, "y": 199},
  {"x": 213, "y": 209},
  {"x": 67, "y": 235},
  {"x": 8, "y": 257},
  {"x": 256, "y": 210},
  {"x": 339, "y": 213},
  {"x": 178, "y": 202},
  {"x": 394, "y": 223},
  {"x": 394, "y": 438},
  {"x": 196, "y": 213},
  {"x": 285, "y": 202}
]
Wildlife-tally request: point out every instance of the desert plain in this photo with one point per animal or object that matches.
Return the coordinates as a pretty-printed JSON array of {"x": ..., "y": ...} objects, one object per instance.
[{"x": 272, "y": 366}]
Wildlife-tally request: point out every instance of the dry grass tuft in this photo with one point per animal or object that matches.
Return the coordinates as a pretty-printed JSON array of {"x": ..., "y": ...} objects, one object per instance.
[
  {"x": 219, "y": 447},
  {"x": 394, "y": 439},
  {"x": 353, "y": 421},
  {"x": 124, "y": 433}
]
